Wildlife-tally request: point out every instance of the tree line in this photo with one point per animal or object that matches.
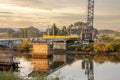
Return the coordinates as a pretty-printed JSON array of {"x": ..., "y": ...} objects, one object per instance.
[
  {"x": 32, "y": 32},
  {"x": 75, "y": 28}
]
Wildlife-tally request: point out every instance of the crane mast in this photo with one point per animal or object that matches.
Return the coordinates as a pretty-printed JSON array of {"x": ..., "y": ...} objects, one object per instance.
[
  {"x": 90, "y": 17},
  {"x": 87, "y": 32}
]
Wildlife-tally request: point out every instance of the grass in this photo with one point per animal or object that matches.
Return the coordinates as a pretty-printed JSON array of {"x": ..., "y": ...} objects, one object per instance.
[{"x": 8, "y": 76}]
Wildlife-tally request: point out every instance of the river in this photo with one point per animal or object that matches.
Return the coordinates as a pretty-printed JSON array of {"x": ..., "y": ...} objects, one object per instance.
[{"x": 70, "y": 67}]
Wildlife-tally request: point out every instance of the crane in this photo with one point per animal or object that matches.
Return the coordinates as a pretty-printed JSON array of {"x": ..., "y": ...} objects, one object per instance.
[
  {"x": 90, "y": 17},
  {"x": 87, "y": 32}
]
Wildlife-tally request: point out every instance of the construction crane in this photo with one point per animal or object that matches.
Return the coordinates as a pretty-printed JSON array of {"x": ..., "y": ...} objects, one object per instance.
[
  {"x": 90, "y": 17},
  {"x": 87, "y": 32}
]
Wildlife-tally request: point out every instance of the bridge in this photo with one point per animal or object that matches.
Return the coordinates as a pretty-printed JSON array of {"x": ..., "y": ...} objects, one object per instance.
[{"x": 10, "y": 43}]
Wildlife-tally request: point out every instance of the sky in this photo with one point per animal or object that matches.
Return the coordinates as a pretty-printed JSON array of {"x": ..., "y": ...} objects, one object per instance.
[{"x": 41, "y": 13}]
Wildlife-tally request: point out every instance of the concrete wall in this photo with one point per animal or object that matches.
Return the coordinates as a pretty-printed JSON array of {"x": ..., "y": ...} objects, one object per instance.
[
  {"x": 40, "y": 49},
  {"x": 59, "y": 45}
]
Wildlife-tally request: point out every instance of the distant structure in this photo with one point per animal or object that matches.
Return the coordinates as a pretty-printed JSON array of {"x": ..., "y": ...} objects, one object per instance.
[{"x": 87, "y": 31}]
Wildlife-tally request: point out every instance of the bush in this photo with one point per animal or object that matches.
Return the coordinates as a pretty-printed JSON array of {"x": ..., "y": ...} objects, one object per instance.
[
  {"x": 24, "y": 46},
  {"x": 82, "y": 47},
  {"x": 112, "y": 46},
  {"x": 100, "y": 48}
]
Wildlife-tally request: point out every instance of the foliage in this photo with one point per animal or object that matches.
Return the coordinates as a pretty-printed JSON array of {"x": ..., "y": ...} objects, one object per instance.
[
  {"x": 12, "y": 76},
  {"x": 8, "y": 76},
  {"x": 24, "y": 46},
  {"x": 107, "y": 44},
  {"x": 29, "y": 32},
  {"x": 87, "y": 47},
  {"x": 71, "y": 29},
  {"x": 99, "y": 47},
  {"x": 54, "y": 30},
  {"x": 38, "y": 76},
  {"x": 82, "y": 47},
  {"x": 105, "y": 38},
  {"x": 110, "y": 47}
]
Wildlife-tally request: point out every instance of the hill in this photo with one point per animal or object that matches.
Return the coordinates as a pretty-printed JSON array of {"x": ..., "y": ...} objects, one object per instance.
[
  {"x": 106, "y": 31},
  {"x": 118, "y": 30}
]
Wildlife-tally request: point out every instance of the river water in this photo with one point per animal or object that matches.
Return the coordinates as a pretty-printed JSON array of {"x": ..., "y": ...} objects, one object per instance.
[{"x": 70, "y": 67}]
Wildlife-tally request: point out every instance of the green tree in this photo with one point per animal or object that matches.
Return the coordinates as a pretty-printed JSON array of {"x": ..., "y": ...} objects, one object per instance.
[
  {"x": 54, "y": 30},
  {"x": 64, "y": 30},
  {"x": 80, "y": 24}
]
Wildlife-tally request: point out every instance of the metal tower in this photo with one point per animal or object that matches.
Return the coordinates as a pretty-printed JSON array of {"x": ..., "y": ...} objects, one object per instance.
[
  {"x": 87, "y": 32},
  {"x": 90, "y": 17}
]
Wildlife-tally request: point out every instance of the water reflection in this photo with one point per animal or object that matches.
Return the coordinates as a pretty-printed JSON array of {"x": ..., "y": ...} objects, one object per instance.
[
  {"x": 86, "y": 67},
  {"x": 70, "y": 67},
  {"x": 41, "y": 65},
  {"x": 25, "y": 67},
  {"x": 89, "y": 68},
  {"x": 67, "y": 67}
]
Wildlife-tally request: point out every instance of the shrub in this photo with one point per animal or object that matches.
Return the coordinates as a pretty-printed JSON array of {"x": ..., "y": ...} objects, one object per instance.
[
  {"x": 100, "y": 48},
  {"x": 24, "y": 46}
]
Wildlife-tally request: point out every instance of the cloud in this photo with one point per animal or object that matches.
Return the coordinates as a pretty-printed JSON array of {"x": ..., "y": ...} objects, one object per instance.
[
  {"x": 62, "y": 12},
  {"x": 5, "y": 12},
  {"x": 45, "y": 4}
]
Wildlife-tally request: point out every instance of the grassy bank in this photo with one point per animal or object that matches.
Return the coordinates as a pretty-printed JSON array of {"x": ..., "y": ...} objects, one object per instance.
[
  {"x": 107, "y": 44},
  {"x": 103, "y": 46}
]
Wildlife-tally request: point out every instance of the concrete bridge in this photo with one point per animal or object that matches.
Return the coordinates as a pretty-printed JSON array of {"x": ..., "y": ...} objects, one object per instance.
[{"x": 10, "y": 43}]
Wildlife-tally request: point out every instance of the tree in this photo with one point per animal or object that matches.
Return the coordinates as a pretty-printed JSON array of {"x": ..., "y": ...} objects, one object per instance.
[
  {"x": 10, "y": 32},
  {"x": 79, "y": 24},
  {"x": 69, "y": 29},
  {"x": 64, "y": 30},
  {"x": 54, "y": 30}
]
